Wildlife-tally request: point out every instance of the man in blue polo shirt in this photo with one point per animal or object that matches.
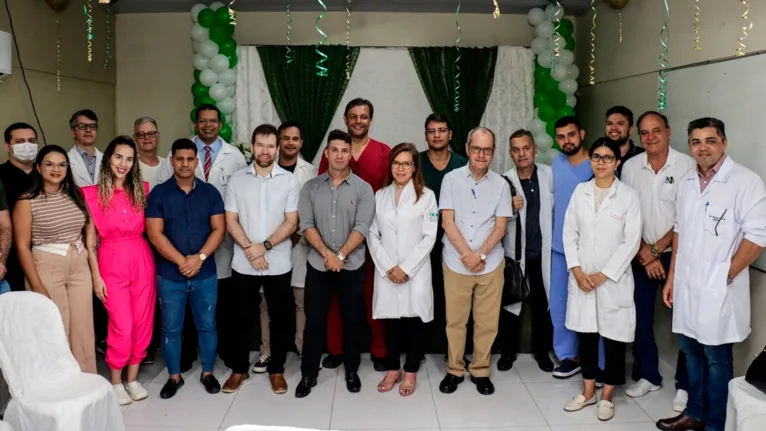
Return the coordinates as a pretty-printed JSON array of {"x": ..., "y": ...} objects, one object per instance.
[{"x": 185, "y": 223}]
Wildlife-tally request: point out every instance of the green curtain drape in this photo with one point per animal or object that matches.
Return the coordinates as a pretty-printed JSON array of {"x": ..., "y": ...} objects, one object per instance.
[
  {"x": 436, "y": 70},
  {"x": 300, "y": 95}
]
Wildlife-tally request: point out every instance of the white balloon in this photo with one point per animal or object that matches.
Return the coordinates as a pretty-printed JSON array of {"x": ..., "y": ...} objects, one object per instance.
[
  {"x": 195, "y": 10},
  {"x": 544, "y": 29},
  {"x": 539, "y": 45},
  {"x": 535, "y": 16},
  {"x": 227, "y": 77},
  {"x": 208, "y": 48},
  {"x": 216, "y": 5},
  {"x": 565, "y": 58},
  {"x": 219, "y": 63},
  {"x": 544, "y": 142},
  {"x": 199, "y": 33},
  {"x": 568, "y": 86},
  {"x": 218, "y": 92},
  {"x": 545, "y": 59},
  {"x": 208, "y": 78},
  {"x": 536, "y": 126},
  {"x": 231, "y": 90},
  {"x": 559, "y": 72},
  {"x": 552, "y": 12},
  {"x": 553, "y": 153},
  {"x": 226, "y": 106},
  {"x": 573, "y": 71},
  {"x": 571, "y": 100},
  {"x": 195, "y": 47},
  {"x": 200, "y": 62}
]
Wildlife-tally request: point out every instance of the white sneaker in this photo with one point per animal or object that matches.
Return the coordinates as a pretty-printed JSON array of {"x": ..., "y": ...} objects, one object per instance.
[
  {"x": 640, "y": 388},
  {"x": 122, "y": 395},
  {"x": 605, "y": 410},
  {"x": 679, "y": 402},
  {"x": 136, "y": 391},
  {"x": 579, "y": 402}
]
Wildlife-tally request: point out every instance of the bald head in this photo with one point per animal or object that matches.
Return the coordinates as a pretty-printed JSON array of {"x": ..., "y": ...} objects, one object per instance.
[{"x": 482, "y": 133}]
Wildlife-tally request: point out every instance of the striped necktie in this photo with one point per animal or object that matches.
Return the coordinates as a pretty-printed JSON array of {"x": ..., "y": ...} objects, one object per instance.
[{"x": 208, "y": 162}]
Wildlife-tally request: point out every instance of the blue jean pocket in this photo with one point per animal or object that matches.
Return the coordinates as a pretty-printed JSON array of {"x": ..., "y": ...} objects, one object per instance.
[{"x": 4, "y": 287}]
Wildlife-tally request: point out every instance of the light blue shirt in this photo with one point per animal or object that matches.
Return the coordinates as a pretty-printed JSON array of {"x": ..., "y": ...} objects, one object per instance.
[
  {"x": 215, "y": 148},
  {"x": 90, "y": 162},
  {"x": 565, "y": 178}
]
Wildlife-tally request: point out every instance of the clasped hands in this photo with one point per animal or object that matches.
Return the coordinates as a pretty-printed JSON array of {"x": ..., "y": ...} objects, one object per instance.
[
  {"x": 588, "y": 282},
  {"x": 652, "y": 264},
  {"x": 190, "y": 266},
  {"x": 397, "y": 276},
  {"x": 472, "y": 261},
  {"x": 256, "y": 254}
]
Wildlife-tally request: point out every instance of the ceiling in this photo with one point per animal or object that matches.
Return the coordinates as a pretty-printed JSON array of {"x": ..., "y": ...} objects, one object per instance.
[{"x": 573, "y": 7}]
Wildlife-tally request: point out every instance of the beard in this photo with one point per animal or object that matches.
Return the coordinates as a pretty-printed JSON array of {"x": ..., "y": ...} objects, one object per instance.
[
  {"x": 573, "y": 151},
  {"x": 264, "y": 163}
]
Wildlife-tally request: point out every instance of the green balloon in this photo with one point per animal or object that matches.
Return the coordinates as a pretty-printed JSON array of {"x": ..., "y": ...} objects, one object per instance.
[
  {"x": 228, "y": 47},
  {"x": 546, "y": 113},
  {"x": 542, "y": 98},
  {"x": 193, "y": 115},
  {"x": 550, "y": 128},
  {"x": 222, "y": 16},
  {"x": 565, "y": 111},
  {"x": 542, "y": 73},
  {"x": 199, "y": 91},
  {"x": 206, "y": 18},
  {"x": 570, "y": 43},
  {"x": 196, "y": 75},
  {"x": 233, "y": 60},
  {"x": 204, "y": 100},
  {"x": 220, "y": 33},
  {"x": 558, "y": 98},
  {"x": 565, "y": 28},
  {"x": 551, "y": 85},
  {"x": 225, "y": 132}
]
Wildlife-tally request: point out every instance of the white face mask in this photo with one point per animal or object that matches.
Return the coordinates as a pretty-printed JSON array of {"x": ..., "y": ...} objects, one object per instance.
[{"x": 25, "y": 151}]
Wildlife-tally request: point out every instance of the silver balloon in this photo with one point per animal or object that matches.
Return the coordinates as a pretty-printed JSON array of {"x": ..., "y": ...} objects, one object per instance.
[
  {"x": 200, "y": 62},
  {"x": 536, "y": 126},
  {"x": 560, "y": 72},
  {"x": 199, "y": 33},
  {"x": 535, "y": 16},
  {"x": 539, "y": 45},
  {"x": 552, "y": 12},
  {"x": 571, "y": 100},
  {"x": 195, "y": 10},
  {"x": 195, "y": 47},
  {"x": 219, "y": 63},
  {"x": 568, "y": 86},
  {"x": 208, "y": 48},
  {"x": 227, "y": 77},
  {"x": 565, "y": 58},
  {"x": 545, "y": 29},
  {"x": 545, "y": 59},
  {"x": 226, "y": 106},
  {"x": 231, "y": 90},
  {"x": 208, "y": 78},
  {"x": 544, "y": 142},
  {"x": 218, "y": 92},
  {"x": 573, "y": 72},
  {"x": 216, "y": 5}
]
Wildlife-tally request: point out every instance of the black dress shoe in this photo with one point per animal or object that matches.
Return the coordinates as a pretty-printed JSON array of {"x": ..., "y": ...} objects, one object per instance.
[
  {"x": 449, "y": 384},
  {"x": 544, "y": 362},
  {"x": 332, "y": 361},
  {"x": 505, "y": 362},
  {"x": 210, "y": 383},
  {"x": 353, "y": 383},
  {"x": 483, "y": 385},
  {"x": 170, "y": 388},
  {"x": 304, "y": 387},
  {"x": 379, "y": 364}
]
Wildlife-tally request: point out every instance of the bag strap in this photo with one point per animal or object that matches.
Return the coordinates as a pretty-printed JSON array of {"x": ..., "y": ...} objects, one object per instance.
[{"x": 517, "y": 251}]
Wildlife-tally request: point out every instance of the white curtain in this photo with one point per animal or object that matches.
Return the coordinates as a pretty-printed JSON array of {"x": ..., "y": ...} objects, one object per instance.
[
  {"x": 511, "y": 103},
  {"x": 254, "y": 105}
]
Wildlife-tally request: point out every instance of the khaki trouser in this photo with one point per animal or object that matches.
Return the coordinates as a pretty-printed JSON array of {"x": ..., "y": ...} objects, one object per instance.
[
  {"x": 300, "y": 323},
  {"x": 484, "y": 292},
  {"x": 70, "y": 286}
]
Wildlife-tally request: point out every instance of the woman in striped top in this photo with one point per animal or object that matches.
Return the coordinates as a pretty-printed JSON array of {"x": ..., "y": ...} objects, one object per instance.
[{"x": 48, "y": 225}]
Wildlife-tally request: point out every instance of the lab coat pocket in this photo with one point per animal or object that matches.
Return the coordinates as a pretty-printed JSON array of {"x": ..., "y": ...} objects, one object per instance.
[
  {"x": 718, "y": 223},
  {"x": 615, "y": 295}
]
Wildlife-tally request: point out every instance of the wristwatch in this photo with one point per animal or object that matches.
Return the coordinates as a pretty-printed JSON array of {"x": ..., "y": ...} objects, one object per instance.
[
  {"x": 655, "y": 251},
  {"x": 483, "y": 257},
  {"x": 341, "y": 257},
  {"x": 729, "y": 280},
  {"x": 267, "y": 245},
  {"x": 202, "y": 257}
]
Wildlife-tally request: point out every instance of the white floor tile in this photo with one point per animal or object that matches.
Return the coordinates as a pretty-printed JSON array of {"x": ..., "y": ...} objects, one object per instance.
[
  {"x": 141, "y": 428},
  {"x": 607, "y": 426},
  {"x": 527, "y": 369},
  {"x": 658, "y": 405},
  {"x": 514, "y": 428},
  {"x": 219, "y": 371},
  {"x": 551, "y": 398},
  {"x": 437, "y": 369},
  {"x": 191, "y": 407}
]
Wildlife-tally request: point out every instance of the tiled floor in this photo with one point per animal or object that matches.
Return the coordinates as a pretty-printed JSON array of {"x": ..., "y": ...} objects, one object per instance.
[{"x": 526, "y": 399}]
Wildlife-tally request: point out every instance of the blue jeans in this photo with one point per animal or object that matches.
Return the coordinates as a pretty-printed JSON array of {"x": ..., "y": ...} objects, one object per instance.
[
  {"x": 4, "y": 287},
  {"x": 203, "y": 295},
  {"x": 709, "y": 368}
]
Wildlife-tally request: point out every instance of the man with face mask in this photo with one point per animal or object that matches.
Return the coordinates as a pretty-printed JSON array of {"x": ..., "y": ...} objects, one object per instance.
[
  {"x": 16, "y": 177},
  {"x": 619, "y": 128}
]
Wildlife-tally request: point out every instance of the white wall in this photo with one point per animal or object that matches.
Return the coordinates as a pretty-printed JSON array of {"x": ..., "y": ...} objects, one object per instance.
[{"x": 626, "y": 75}]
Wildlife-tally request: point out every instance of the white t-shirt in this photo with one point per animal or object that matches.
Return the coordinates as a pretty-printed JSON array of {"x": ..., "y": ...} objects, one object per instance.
[{"x": 151, "y": 173}]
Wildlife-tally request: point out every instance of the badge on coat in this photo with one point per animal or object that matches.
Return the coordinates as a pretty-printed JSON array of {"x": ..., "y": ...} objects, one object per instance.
[
  {"x": 224, "y": 179},
  {"x": 433, "y": 217}
]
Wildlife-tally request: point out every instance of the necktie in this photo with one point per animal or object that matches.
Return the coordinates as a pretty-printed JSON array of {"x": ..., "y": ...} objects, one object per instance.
[{"x": 208, "y": 162}]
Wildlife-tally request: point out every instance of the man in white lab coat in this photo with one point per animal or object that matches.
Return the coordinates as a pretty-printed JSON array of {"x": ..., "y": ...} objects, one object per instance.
[
  {"x": 720, "y": 230},
  {"x": 533, "y": 202},
  {"x": 218, "y": 161}
]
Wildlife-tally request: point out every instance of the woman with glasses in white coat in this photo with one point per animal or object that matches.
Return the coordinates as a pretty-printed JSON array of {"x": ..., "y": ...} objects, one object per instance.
[
  {"x": 602, "y": 234},
  {"x": 401, "y": 237}
]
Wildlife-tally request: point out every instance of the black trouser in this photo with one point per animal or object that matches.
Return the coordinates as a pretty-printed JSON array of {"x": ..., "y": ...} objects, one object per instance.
[
  {"x": 319, "y": 291},
  {"x": 542, "y": 328},
  {"x": 242, "y": 315},
  {"x": 614, "y": 358},
  {"x": 411, "y": 329}
]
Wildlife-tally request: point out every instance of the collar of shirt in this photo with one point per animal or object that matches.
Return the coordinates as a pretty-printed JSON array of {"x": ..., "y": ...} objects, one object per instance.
[
  {"x": 276, "y": 171},
  {"x": 84, "y": 154},
  {"x": 670, "y": 161},
  {"x": 194, "y": 185},
  {"x": 214, "y": 147},
  {"x": 532, "y": 177},
  {"x": 714, "y": 170},
  {"x": 468, "y": 174},
  {"x": 345, "y": 180}
]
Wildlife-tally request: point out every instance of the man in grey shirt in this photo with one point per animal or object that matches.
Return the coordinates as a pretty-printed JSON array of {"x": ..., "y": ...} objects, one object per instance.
[{"x": 335, "y": 211}]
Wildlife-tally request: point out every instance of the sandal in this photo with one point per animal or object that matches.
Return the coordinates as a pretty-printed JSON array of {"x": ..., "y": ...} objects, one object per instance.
[
  {"x": 407, "y": 386},
  {"x": 388, "y": 382}
]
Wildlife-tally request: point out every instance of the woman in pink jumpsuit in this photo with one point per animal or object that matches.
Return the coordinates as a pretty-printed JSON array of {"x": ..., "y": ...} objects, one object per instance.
[{"x": 125, "y": 275}]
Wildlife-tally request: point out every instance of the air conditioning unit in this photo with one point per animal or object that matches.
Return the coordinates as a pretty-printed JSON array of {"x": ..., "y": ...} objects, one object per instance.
[{"x": 6, "y": 53}]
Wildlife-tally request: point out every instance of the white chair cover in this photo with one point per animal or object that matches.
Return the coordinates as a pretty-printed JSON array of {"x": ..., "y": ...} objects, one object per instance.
[
  {"x": 48, "y": 390},
  {"x": 265, "y": 428},
  {"x": 746, "y": 409},
  {"x": 5, "y": 427}
]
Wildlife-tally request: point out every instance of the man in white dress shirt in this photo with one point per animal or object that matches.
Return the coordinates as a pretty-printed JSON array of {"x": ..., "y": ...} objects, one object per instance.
[
  {"x": 475, "y": 204},
  {"x": 147, "y": 137}
]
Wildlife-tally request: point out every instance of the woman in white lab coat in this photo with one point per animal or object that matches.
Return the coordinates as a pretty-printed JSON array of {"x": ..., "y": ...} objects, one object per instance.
[
  {"x": 602, "y": 234},
  {"x": 401, "y": 237}
]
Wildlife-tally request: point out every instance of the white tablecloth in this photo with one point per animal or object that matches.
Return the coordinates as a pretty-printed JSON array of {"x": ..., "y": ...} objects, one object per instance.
[{"x": 746, "y": 410}]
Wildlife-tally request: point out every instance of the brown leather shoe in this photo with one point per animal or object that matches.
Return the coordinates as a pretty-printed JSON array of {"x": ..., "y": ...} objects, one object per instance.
[
  {"x": 278, "y": 383},
  {"x": 680, "y": 423},
  {"x": 234, "y": 382}
]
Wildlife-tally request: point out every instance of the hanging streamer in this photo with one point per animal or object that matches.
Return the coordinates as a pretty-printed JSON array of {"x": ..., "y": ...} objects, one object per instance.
[
  {"x": 88, "y": 11},
  {"x": 58, "y": 54},
  {"x": 662, "y": 77},
  {"x": 556, "y": 36},
  {"x": 288, "y": 39},
  {"x": 619, "y": 14},
  {"x": 457, "y": 60},
  {"x": 232, "y": 14},
  {"x": 747, "y": 26},
  {"x": 321, "y": 70},
  {"x": 697, "y": 44},
  {"x": 592, "y": 66},
  {"x": 108, "y": 54},
  {"x": 348, "y": 40},
  {"x": 496, "y": 13}
]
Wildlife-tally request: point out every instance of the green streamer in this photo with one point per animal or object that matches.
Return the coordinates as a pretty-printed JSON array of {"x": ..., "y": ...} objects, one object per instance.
[
  {"x": 108, "y": 54},
  {"x": 321, "y": 70},
  {"x": 663, "y": 60},
  {"x": 87, "y": 10},
  {"x": 289, "y": 52},
  {"x": 457, "y": 60}
]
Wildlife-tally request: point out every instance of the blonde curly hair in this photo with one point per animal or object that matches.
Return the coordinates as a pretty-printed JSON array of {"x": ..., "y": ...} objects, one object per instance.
[{"x": 134, "y": 183}]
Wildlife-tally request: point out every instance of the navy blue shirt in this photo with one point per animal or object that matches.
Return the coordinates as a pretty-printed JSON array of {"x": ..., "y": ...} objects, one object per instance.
[
  {"x": 187, "y": 223},
  {"x": 534, "y": 237}
]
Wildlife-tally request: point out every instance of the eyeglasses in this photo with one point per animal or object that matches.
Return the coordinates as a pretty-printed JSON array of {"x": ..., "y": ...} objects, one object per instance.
[
  {"x": 476, "y": 150},
  {"x": 207, "y": 121},
  {"x": 607, "y": 158},
  {"x": 397, "y": 164},
  {"x": 83, "y": 126},
  {"x": 50, "y": 166},
  {"x": 147, "y": 135},
  {"x": 441, "y": 130}
]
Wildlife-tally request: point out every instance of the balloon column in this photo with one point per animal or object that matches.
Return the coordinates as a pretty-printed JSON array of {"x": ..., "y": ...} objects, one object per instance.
[
  {"x": 215, "y": 62},
  {"x": 555, "y": 76}
]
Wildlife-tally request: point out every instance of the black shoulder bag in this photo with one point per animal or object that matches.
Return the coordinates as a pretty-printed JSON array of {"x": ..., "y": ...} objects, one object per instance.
[
  {"x": 515, "y": 288},
  {"x": 756, "y": 372}
]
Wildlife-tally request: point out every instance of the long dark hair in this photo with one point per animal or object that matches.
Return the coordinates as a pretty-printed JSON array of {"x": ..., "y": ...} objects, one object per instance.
[
  {"x": 68, "y": 186},
  {"x": 134, "y": 183},
  {"x": 417, "y": 175}
]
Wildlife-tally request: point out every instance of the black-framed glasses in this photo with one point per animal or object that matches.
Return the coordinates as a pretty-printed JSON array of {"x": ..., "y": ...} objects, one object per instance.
[
  {"x": 606, "y": 158},
  {"x": 397, "y": 164},
  {"x": 147, "y": 135},
  {"x": 476, "y": 150},
  {"x": 84, "y": 126}
]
